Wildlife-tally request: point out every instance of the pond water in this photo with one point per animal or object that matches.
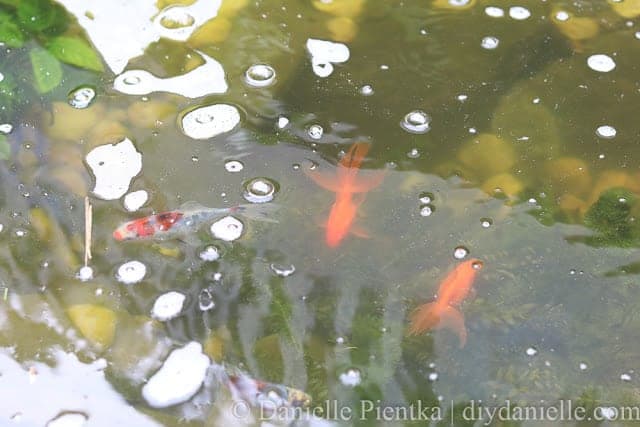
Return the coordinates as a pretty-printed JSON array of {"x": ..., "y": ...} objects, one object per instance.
[{"x": 366, "y": 157}]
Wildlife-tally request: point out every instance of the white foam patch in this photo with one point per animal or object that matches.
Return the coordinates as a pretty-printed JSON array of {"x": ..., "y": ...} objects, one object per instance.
[
  {"x": 131, "y": 272},
  {"x": 135, "y": 200},
  {"x": 207, "y": 79},
  {"x": 601, "y": 63},
  {"x": 324, "y": 54},
  {"x": 115, "y": 29},
  {"x": 168, "y": 306},
  {"x": 209, "y": 121},
  {"x": 179, "y": 378},
  {"x": 114, "y": 166},
  {"x": 227, "y": 229}
]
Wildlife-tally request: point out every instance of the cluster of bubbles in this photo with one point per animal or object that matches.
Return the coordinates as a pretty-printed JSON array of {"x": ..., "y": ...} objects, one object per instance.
[
  {"x": 81, "y": 97},
  {"x": 426, "y": 204}
]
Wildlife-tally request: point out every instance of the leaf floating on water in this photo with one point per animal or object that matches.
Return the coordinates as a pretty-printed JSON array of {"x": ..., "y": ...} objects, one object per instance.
[
  {"x": 47, "y": 71},
  {"x": 75, "y": 51}
]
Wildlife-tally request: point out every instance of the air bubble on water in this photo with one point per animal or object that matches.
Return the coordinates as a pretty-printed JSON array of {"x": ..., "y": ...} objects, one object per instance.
[
  {"x": 173, "y": 18},
  {"x": 340, "y": 340},
  {"x": 168, "y": 306},
  {"x": 426, "y": 210},
  {"x": 531, "y": 351},
  {"x": 131, "y": 272},
  {"x": 205, "y": 300},
  {"x": 536, "y": 101},
  {"x": 494, "y": 12},
  {"x": 233, "y": 165},
  {"x": 416, "y": 121},
  {"x": 562, "y": 16},
  {"x": 315, "y": 132},
  {"x": 473, "y": 131},
  {"x": 433, "y": 376},
  {"x": 582, "y": 366},
  {"x": 606, "y": 132},
  {"x": 195, "y": 159},
  {"x": 601, "y": 156},
  {"x": 459, "y": 3},
  {"x": 625, "y": 377},
  {"x": 210, "y": 121},
  {"x": 210, "y": 253},
  {"x": 132, "y": 80},
  {"x": 135, "y": 200},
  {"x": 637, "y": 35},
  {"x": 81, "y": 97},
  {"x": 460, "y": 252},
  {"x": 600, "y": 62},
  {"x": 607, "y": 412},
  {"x": 85, "y": 273},
  {"x": 21, "y": 233},
  {"x": 486, "y": 222},
  {"x": 1, "y": 77},
  {"x": 282, "y": 122},
  {"x": 462, "y": 97},
  {"x": 423, "y": 31},
  {"x": 413, "y": 153},
  {"x": 6, "y": 128},
  {"x": 1, "y": 227},
  {"x": 426, "y": 197},
  {"x": 519, "y": 13},
  {"x": 366, "y": 90},
  {"x": 260, "y": 75},
  {"x": 282, "y": 270},
  {"x": 489, "y": 42},
  {"x": 532, "y": 201},
  {"x": 351, "y": 377},
  {"x": 259, "y": 190},
  {"x": 227, "y": 229}
]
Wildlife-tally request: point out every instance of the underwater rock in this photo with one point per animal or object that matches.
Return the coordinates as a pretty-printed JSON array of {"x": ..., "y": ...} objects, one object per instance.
[
  {"x": 179, "y": 378},
  {"x": 503, "y": 184},
  {"x": 568, "y": 175},
  {"x": 486, "y": 155},
  {"x": 96, "y": 323},
  {"x": 575, "y": 28},
  {"x": 70, "y": 123},
  {"x": 150, "y": 114},
  {"x": 626, "y": 8}
]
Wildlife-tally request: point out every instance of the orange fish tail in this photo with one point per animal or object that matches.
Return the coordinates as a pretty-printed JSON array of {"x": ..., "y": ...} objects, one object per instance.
[{"x": 431, "y": 315}]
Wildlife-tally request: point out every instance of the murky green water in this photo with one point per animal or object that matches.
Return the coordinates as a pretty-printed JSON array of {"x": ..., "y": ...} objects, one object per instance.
[{"x": 525, "y": 158}]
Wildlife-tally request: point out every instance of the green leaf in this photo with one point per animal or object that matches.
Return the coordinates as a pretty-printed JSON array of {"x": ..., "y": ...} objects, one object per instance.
[
  {"x": 5, "y": 148},
  {"x": 42, "y": 16},
  {"x": 75, "y": 51},
  {"x": 10, "y": 33},
  {"x": 47, "y": 70}
]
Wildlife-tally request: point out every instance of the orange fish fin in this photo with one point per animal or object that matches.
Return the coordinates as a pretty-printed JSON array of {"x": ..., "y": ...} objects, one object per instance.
[
  {"x": 354, "y": 156},
  {"x": 328, "y": 182},
  {"x": 362, "y": 184},
  {"x": 423, "y": 318},
  {"x": 451, "y": 318},
  {"x": 360, "y": 231}
]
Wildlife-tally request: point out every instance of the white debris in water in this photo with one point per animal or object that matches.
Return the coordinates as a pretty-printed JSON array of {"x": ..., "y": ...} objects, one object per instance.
[
  {"x": 531, "y": 351},
  {"x": 625, "y": 377},
  {"x": 489, "y": 42},
  {"x": 135, "y": 200},
  {"x": 6, "y": 128},
  {"x": 562, "y": 16},
  {"x": 606, "y": 132},
  {"x": 519, "y": 13},
  {"x": 282, "y": 122},
  {"x": 68, "y": 419},
  {"x": 85, "y": 273},
  {"x": 600, "y": 62},
  {"x": 209, "y": 121},
  {"x": 210, "y": 253},
  {"x": 168, "y": 306},
  {"x": 351, "y": 377},
  {"x": 131, "y": 272},
  {"x": 494, "y": 12},
  {"x": 324, "y": 54},
  {"x": 179, "y": 378},
  {"x": 207, "y": 79},
  {"x": 227, "y": 229},
  {"x": 114, "y": 166},
  {"x": 233, "y": 166}
]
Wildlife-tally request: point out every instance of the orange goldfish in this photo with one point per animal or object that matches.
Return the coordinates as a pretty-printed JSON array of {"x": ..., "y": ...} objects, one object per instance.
[
  {"x": 442, "y": 313},
  {"x": 346, "y": 184}
]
